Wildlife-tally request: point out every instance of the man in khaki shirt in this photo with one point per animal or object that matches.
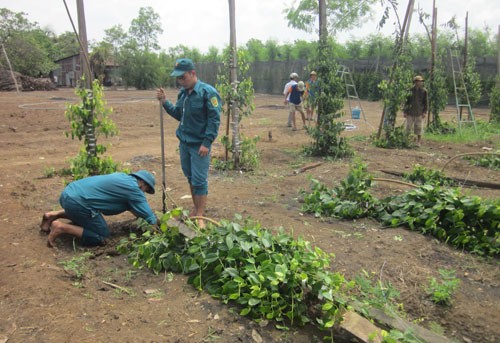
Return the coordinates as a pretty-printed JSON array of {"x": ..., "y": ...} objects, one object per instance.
[{"x": 416, "y": 107}]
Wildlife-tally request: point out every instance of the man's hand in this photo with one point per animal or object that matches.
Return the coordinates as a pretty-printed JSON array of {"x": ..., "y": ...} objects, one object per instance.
[
  {"x": 161, "y": 95},
  {"x": 203, "y": 151}
]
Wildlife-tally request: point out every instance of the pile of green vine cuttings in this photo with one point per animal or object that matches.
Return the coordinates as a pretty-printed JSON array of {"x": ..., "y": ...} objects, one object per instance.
[
  {"x": 467, "y": 222},
  {"x": 268, "y": 277}
]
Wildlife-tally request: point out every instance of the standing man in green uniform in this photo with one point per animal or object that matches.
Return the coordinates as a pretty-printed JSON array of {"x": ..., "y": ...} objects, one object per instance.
[
  {"x": 416, "y": 107},
  {"x": 198, "y": 111}
]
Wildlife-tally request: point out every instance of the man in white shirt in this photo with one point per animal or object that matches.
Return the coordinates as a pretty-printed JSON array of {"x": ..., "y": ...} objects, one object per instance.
[{"x": 294, "y": 77}]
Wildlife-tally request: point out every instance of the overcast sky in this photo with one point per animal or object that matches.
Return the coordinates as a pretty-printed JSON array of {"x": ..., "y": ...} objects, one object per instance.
[{"x": 205, "y": 23}]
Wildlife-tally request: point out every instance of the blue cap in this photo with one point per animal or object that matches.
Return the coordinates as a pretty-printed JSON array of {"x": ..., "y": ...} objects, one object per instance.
[
  {"x": 147, "y": 177},
  {"x": 182, "y": 65}
]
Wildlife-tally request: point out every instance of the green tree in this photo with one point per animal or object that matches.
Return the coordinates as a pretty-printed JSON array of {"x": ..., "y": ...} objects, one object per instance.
[
  {"x": 144, "y": 29},
  {"x": 212, "y": 56},
  {"x": 482, "y": 43},
  {"x": 181, "y": 51},
  {"x": 305, "y": 50},
  {"x": 65, "y": 45},
  {"x": 272, "y": 50},
  {"x": 256, "y": 50},
  {"x": 341, "y": 14},
  {"x": 100, "y": 55},
  {"x": 286, "y": 52},
  {"x": 12, "y": 23},
  {"x": 26, "y": 44},
  {"x": 140, "y": 68}
]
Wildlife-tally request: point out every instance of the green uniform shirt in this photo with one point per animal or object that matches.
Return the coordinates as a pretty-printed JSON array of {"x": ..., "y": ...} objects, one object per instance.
[{"x": 198, "y": 114}]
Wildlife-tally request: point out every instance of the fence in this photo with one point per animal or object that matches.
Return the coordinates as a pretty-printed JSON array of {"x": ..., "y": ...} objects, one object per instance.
[{"x": 269, "y": 77}]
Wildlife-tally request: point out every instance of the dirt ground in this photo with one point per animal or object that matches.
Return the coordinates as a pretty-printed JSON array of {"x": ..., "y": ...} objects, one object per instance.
[{"x": 41, "y": 302}]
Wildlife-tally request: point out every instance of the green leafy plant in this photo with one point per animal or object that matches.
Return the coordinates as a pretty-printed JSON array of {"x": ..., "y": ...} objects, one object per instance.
[
  {"x": 49, "y": 172},
  {"x": 378, "y": 294},
  {"x": 472, "y": 81},
  {"x": 395, "y": 138},
  {"x": 395, "y": 92},
  {"x": 467, "y": 222},
  {"x": 425, "y": 176},
  {"x": 438, "y": 98},
  {"x": 327, "y": 141},
  {"x": 351, "y": 199},
  {"x": 242, "y": 96},
  {"x": 441, "y": 291},
  {"x": 488, "y": 161},
  {"x": 88, "y": 120},
  {"x": 495, "y": 102},
  {"x": 77, "y": 265},
  {"x": 268, "y": 277},
  {"x": 396, "y": 336},
  {"x": 249, "y": 156}
]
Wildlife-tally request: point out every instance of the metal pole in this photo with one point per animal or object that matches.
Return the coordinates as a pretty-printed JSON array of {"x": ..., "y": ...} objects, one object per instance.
[{"x": 164, "y": 187}]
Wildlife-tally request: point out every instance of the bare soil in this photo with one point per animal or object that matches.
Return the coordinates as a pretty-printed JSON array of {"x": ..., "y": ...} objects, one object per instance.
[{"x": 41, "y": 302}]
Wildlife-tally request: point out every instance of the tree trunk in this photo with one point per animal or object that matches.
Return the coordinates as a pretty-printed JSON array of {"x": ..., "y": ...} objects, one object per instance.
[{"x": 323, "y": 31}]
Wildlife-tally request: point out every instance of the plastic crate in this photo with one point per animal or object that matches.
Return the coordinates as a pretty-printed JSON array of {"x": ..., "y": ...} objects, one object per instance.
[{"x": 356, "y": 113}]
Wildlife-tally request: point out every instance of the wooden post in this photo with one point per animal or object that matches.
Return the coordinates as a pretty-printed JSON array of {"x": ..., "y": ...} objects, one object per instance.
[
  {"x": 10, "y": 67},
  {"x": 84, "y": 48},
  {"x": 323, "y": 31},
  {"x": 498, "y": 54},
  {"x": 433, "y": 54},
  {"x": 233, "y": 67},
  {"x": 466, "y": 40}
]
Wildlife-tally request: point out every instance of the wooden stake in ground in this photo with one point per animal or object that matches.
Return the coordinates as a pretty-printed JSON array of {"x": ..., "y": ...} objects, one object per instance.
[{"x": 10, "y": 68}]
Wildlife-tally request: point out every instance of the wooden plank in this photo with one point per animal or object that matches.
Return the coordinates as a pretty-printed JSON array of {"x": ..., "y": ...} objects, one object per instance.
[
  {"x": 183, "y": 228},
  {"x": 360, "y": 328},
  {"x": 398, "y": 323}
]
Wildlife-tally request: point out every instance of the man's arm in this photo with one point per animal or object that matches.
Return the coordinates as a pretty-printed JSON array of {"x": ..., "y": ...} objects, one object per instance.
[
  {"x": 173, "y": 110},
  {"x": 213, "y": 106}
]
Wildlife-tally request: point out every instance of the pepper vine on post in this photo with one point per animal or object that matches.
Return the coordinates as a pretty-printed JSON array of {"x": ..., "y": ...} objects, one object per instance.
[{"x": 88, "y": 120}]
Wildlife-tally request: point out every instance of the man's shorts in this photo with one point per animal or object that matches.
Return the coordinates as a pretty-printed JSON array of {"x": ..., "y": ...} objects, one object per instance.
[
  {"x": 95, "y": 228},
  {"x": 415, "y": 123},
  {"x": 292, "y": 107},
  {"x": 308, "y": 104},
  {"x": 195, "y": 167}
]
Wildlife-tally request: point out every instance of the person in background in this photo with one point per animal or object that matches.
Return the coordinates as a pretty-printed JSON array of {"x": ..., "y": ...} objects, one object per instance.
[
  {"x": 310, "y": 96},
  {"x": 198, "y": 111},
  {"x": 415, "y": 108},
  {"x": 294, "y": 100},
  {"x": 85, "y": 201},
  {"x": 294, "y": 77}
]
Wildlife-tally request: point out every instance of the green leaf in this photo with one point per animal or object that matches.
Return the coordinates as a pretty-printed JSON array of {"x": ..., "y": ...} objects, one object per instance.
[
  {"x": 253, "y": 301},
  {"x": 245, "y": 311},
  {"x": 229, "y": 242},
  {"x": 327, "y": 306}
]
